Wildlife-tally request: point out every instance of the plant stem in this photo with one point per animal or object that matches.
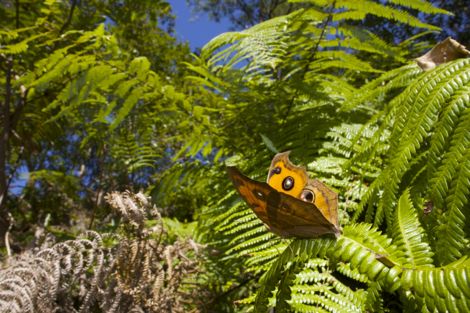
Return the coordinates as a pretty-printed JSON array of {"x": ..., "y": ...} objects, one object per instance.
[{"x": 311, "y": 59}]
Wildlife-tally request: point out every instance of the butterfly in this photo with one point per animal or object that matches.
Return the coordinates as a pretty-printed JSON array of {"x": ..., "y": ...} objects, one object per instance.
[{"x": 290, "y": 204}]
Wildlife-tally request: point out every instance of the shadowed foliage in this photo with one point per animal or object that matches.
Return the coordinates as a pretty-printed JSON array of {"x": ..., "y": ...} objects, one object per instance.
[{"x": 98, "y": 98}]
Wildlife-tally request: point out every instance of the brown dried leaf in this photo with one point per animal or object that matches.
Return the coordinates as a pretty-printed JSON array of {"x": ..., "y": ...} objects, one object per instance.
[{"x": 445, "y": 51}]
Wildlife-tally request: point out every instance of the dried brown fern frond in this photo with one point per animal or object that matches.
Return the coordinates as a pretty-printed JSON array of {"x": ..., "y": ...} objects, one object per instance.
[
  {"x": 150, "y": 272},
  {"x": 139, "y": 271},
  {"x": 34, "y": 282},
  {"x": 133, "y": 208}
]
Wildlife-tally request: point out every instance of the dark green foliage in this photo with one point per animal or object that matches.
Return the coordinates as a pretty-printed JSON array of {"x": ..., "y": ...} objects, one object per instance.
[
  {"x": 86, "y": 110},
  {"x": 298, "y": 83},
  {"x": 92, "y": 107},
  {"x": 245, "y": 13},
  {"x": 427, "y": 126}
]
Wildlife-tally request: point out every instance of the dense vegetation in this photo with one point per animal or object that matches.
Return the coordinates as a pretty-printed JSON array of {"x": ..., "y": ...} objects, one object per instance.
[{"x": 114, "y": 142}]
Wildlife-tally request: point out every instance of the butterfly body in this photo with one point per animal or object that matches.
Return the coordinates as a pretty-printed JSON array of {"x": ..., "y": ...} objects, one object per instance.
[{"x": 289, "y": 203}]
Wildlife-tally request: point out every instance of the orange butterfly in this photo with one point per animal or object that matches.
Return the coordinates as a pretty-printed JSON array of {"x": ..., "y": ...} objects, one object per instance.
[{"x": 290, "y": 204}]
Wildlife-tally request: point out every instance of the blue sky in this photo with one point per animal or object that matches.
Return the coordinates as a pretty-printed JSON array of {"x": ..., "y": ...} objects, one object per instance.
[{"x": 197, "y": 29}]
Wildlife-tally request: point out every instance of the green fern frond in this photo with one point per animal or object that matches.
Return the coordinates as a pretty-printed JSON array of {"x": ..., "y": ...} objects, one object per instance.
[
  {"x": 444, "y": 289},
  {"x": 451, "y": 159},
  {"x": 134, "y": 150},
  {"x": 374, "y": 301},
  {"x": 298, "y": 250},
  {"x": 413, "y": 134},
  {"x": 259, "y": 242},
  {"x": 345, "y": 269},
  {"x": 444, "y": 128},
  {"x": 451, "y": 186},
  {"x": 401, "y": 106},
  {"x": 232, "y": 215},
  {"x": 254, "y": 229},
  {"x": 452, "y": 238},
  {"x": 305, "y": 300},
  {"x": 261, "y": 257},
  {"x": 422, "y": 6},
  {"x": 424, "y": 98},
  {"x": 22, "y": 46},
  {"x": 378, "y": 88},
  {"x": 362, "y": 40},
  {"x": 243, "y": 224},
  {"x": 267, "y": 48},
  {"x": 363, "y": 247},
  {"x": 262, "y": 46},
  {"x": 247, "y": 236},
  {"x": 338, "y": 59},
  {"x": 408, "y": 235},
  {"x": 315, "y": 285},
  {"x": 358, "y": 10},
  {"x": 414, "y": 114}
]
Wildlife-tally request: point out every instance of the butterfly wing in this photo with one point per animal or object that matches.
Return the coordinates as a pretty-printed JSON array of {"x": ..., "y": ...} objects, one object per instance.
[
  {"x": 301, "y": 219},
  {"x": 282, "y": 213},
  {"x": 326, "y": 200},
  {"x": 281, "y": 168}
]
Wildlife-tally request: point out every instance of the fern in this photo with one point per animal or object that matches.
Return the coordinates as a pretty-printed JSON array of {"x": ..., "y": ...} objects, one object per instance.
[
  {"x": 300, "y": 248},
  {"x": 419, "y": 135},
  {"x": 306, "y": 284},
  {"x": 133, "y": 270},
  {"x": 266, "y": 47},
  {"x": 307, "y": 82},
  {"x": 409, "y": 236},
  {"x": 312, "y": 287},
  {"x": 315, "y": 284},
  {"x": 444, "y": 288},
  {"x": 249, "y": 237},
  {"x": 393, "y": 80},
  {"x": 41, "y": 277}
]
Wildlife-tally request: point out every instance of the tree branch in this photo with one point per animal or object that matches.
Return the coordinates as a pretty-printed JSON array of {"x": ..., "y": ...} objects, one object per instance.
[
  {"x": 17, "y": 13},
  {"x": 247, "y": 11},
  {"x": 69, "y": 17},
  {"x": 5, "y": 135}
]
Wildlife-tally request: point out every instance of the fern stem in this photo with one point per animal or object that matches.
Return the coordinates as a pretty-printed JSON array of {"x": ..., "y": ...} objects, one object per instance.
[
  {"x": 310, "y": 59},
  {"x": 7, "y": 235}
]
